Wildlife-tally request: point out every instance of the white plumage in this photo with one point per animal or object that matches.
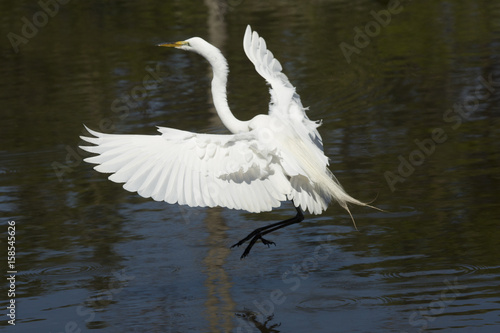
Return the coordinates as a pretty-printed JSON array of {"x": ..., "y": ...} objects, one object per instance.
[{"x": 268, "y": 159}]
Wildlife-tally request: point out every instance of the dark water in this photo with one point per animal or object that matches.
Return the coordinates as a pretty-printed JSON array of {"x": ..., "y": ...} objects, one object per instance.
[{"x": 409, "y": 95}]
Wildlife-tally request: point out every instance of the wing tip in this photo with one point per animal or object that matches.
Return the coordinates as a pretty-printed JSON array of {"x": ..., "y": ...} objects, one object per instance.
[{"x": 94, "y": 133}]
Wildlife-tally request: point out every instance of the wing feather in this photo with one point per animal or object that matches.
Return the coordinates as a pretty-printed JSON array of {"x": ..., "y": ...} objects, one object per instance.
[
  {"x": 192, "y": 169},
  {"x": 170, "y": 194},
  {"x": 285, "y": 101},
  {"x": 146, "y": 189},
  {"x": 161, "y": 185},
  {"x": 181, "y": 191},
  {"x": 197, "y": 197}
]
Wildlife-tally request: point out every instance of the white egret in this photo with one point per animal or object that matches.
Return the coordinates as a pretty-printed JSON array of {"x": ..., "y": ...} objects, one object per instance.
[{"x": 268, "y": 159}]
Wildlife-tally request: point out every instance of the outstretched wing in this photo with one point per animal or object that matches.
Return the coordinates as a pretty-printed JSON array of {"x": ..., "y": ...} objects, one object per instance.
[
  {"x": 204, "y": 170},
  {"x": 282, "y": 91},
  {"x": 285, "y": 102}
]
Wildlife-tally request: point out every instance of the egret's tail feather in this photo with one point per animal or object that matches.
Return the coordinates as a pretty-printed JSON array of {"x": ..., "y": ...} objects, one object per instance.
[
  {"x": 337, "y": 192},
  {"x": 352, "y": 218}
]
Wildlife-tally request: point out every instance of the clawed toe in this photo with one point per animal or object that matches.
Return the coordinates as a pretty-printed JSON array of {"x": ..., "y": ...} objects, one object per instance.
[
  {"x": 266, "y": 242},
  {"x": 257, "y": 234},
  {"x": 237, "y": 244},
  {"x": 252, "y": 243}
]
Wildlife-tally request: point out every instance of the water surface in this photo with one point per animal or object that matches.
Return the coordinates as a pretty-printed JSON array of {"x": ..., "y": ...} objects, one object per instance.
[{"x": 410, "y": 120}]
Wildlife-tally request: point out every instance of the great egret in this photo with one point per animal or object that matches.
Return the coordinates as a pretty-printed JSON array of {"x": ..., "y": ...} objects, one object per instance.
[{"x": 268, "y": 159}]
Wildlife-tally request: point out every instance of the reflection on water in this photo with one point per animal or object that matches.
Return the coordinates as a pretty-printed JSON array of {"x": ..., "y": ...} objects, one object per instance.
[{"x": 412, "y": 120}]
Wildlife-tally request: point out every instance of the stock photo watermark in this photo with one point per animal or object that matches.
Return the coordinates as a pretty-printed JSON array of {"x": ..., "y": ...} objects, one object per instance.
[
  {"x": 121, "y": 107},
  {"x": 233, "y": 4},
  {"x": 11, "y": 272},
  {"x": 420, "y": 319},
  {"x": 293, "y": 279},
  {"x": 31, "y": 26},
  {"x": 363, "y": 36},
  {"x": 454, "y": 117}
]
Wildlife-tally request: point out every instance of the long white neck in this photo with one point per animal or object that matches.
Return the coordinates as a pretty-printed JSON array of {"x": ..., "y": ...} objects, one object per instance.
[{"x": 219, "y": 94}]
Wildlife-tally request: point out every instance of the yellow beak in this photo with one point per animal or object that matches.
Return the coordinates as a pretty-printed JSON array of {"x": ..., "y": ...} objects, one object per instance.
[{"x": 176, "y": 44}]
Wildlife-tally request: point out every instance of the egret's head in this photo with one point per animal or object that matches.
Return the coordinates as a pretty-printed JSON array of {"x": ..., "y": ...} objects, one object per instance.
[
  {"x": 194, "y": 44},
  {"x": 205, "y": 49}
]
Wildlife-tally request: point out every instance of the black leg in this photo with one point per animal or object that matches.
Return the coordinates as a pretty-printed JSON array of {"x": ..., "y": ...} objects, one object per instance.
[{"x": 259, "y": 232}]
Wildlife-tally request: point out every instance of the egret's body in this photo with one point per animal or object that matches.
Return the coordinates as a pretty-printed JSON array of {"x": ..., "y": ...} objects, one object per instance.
[{"x": 268, "y": 159}]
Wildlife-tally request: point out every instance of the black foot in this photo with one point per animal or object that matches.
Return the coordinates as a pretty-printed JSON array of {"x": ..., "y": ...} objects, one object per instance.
[
  {"x": 257, "y": 236},
  {"x": 259, "y": 232},
  {"x": 252, "y": 243},
  {"x": 266, "y": 242}
]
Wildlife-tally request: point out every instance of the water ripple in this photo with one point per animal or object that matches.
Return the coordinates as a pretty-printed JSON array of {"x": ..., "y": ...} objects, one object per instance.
[
  {"x": 66, "y": 270},
  {"x": 317, "y": 303}
]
